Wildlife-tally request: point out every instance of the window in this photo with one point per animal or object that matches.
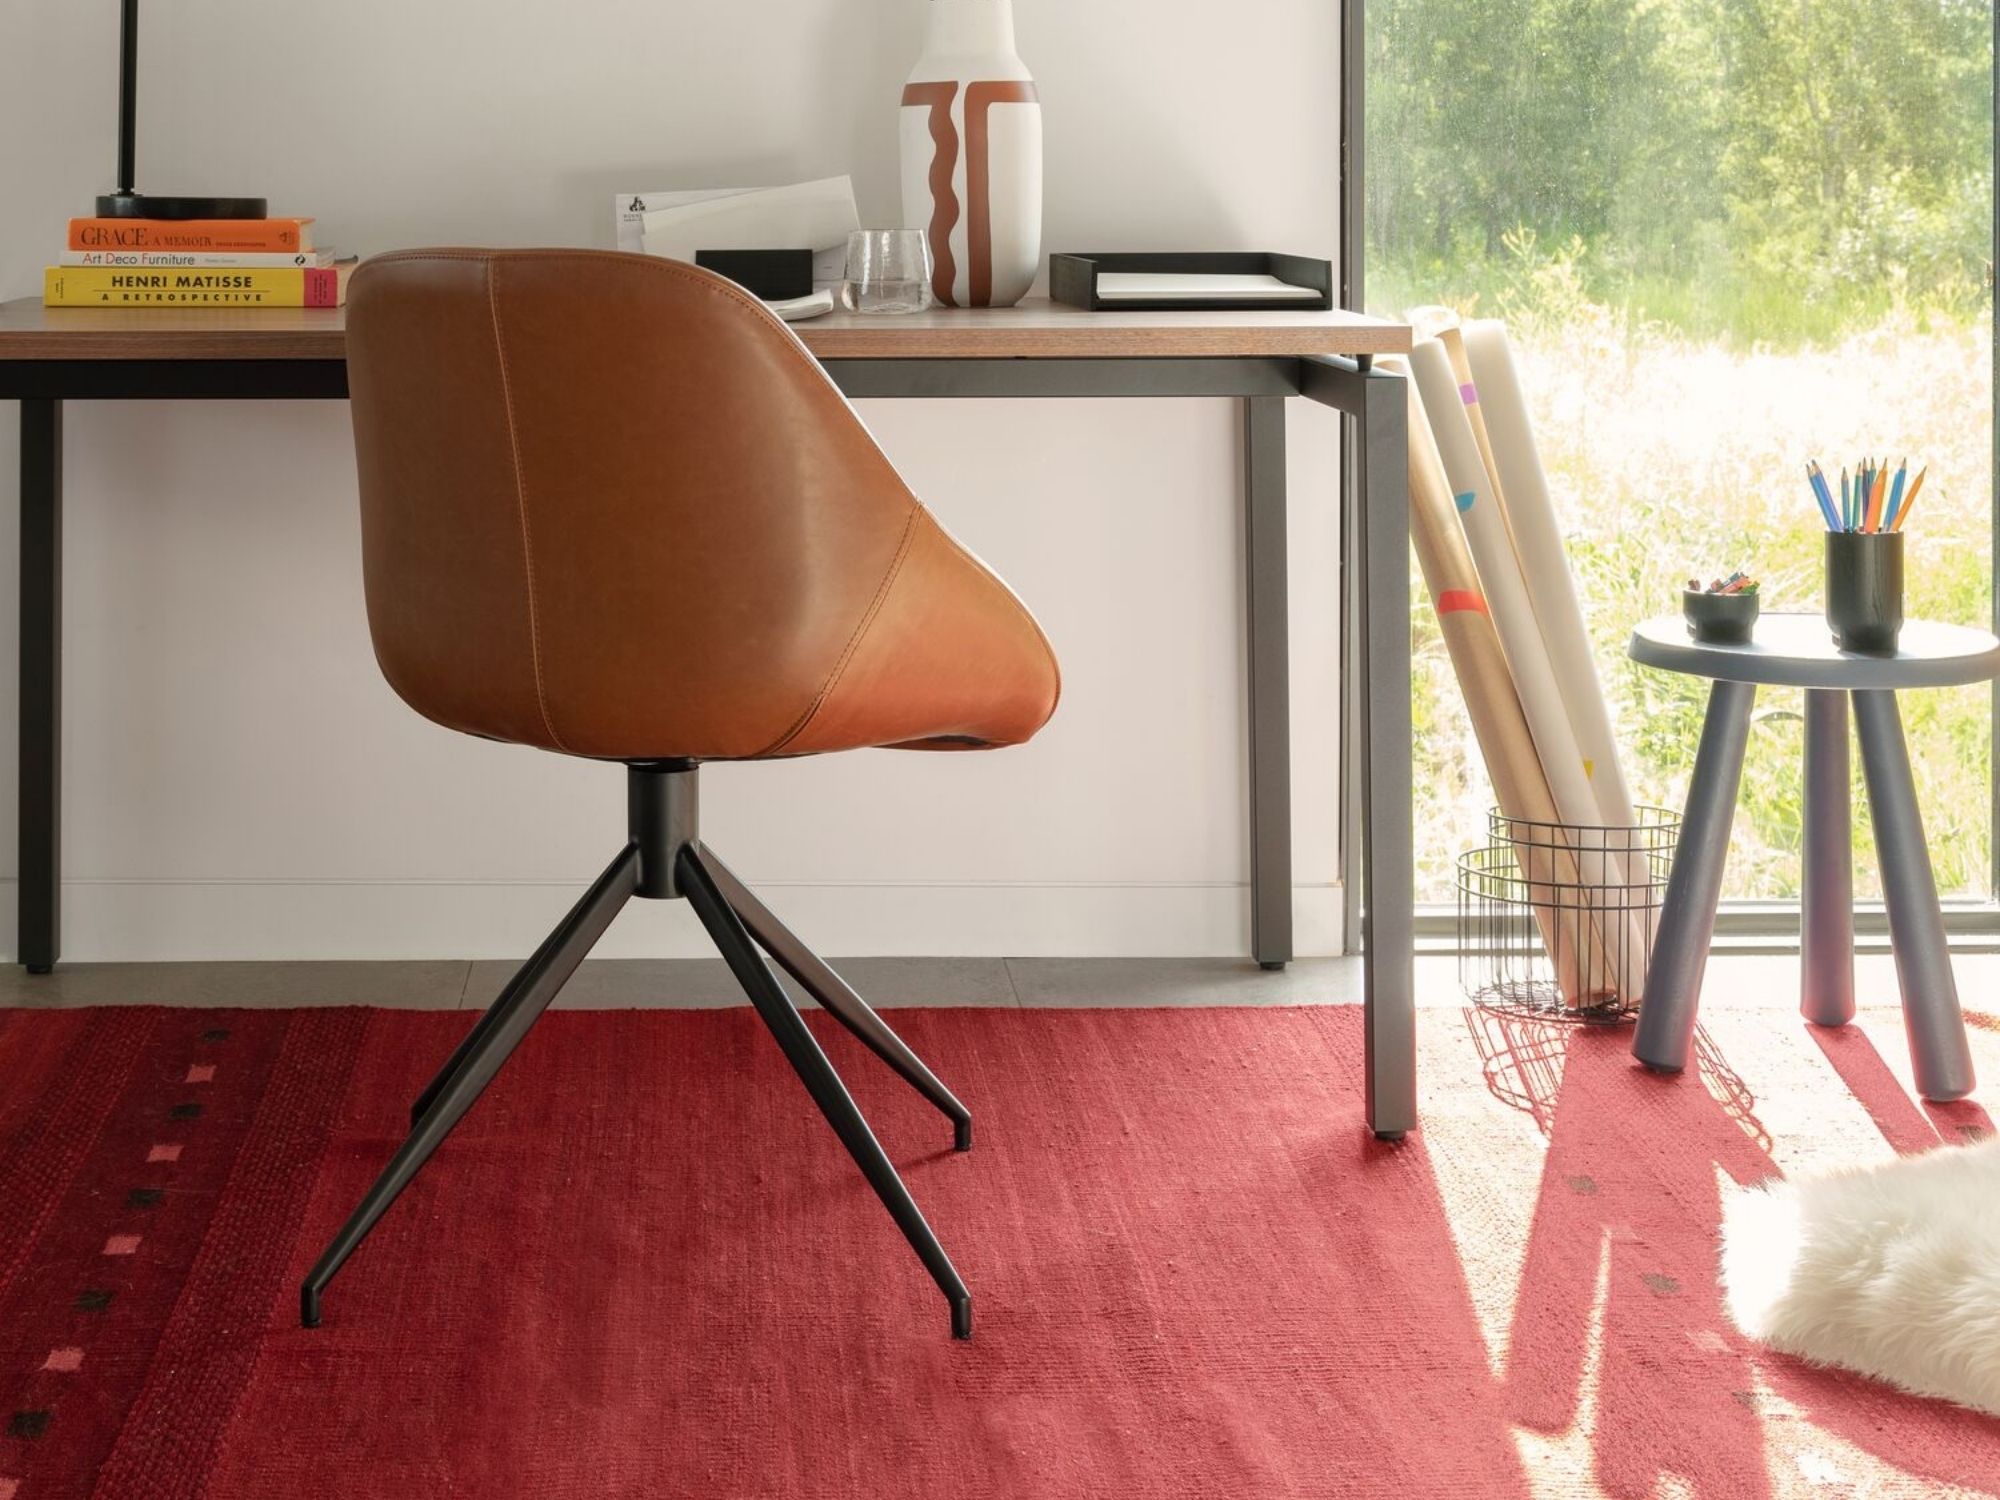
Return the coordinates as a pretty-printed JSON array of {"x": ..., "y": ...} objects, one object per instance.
[{"x": 1726, "y": 235}]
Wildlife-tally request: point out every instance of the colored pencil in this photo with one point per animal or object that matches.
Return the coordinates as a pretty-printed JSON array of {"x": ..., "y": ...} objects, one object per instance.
[
  {"x": 1874, "y": 497},
  {"x": 1818, "y": 482},
  {"x": 1910, "y": 499},
  {"x": 1895, "y": 495}
]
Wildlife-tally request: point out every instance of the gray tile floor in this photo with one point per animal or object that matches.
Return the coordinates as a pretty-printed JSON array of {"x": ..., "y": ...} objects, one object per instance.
[
  {"x": 1747, "y": 981},
  {"x": 616, "y": 984}
]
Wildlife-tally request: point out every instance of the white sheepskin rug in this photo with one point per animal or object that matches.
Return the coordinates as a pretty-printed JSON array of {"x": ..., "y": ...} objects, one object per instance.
[{"x": 1892, "y": 1270}]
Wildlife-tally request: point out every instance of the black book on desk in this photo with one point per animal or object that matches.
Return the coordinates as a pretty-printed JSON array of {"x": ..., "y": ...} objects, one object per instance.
[
  {"x": 774, "y": 275},
  {"x": 1191, "y": 281}
]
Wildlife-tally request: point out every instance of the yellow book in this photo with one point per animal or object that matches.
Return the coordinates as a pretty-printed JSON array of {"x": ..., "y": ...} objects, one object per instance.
[{"x": 191, "y": 286}]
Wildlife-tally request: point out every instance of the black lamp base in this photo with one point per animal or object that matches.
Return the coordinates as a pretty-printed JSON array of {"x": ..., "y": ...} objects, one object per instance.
[{"x": 153, "y": 206}]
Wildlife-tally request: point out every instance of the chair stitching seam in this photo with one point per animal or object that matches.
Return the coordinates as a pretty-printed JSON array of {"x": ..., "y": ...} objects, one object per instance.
[
  {"x": 521, "y": 505},
  {"x": 917, "y": 513}
]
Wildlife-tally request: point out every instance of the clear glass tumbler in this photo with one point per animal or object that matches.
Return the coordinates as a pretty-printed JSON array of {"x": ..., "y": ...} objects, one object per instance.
[{"x": 888, "y": 271}]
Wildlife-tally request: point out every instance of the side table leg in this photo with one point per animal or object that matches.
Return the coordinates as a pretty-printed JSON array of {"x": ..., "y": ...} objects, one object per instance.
[
  {"x": 1687, "y": 917},
  {"x": 1939, "y": 1055},
  {"x": 1826, "y": 979}
]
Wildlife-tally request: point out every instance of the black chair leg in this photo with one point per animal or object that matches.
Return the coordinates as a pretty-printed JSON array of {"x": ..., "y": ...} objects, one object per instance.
[
  {"x": 490, "y": 1017},
  {"x": 841, "y": 1002},
  {"x": 481, "y": 1029},
  {"x": 477, "y": 1059},
  {"x": 732, "y": 938}
]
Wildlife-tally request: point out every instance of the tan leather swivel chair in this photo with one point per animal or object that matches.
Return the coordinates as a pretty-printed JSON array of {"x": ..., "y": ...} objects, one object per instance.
[{"x": 611, "y": 508}]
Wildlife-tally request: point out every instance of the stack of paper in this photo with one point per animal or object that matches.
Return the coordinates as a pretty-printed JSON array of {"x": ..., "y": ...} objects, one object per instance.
[{"x": 1181, "y": 286}]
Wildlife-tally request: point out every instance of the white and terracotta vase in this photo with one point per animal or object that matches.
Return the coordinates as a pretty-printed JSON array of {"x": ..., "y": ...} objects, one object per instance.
[{"x": 972, "y": 156}]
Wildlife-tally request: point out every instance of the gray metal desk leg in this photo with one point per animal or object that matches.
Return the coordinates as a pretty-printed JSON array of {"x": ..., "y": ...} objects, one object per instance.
[
  {"x": 1826, "y": 925},
  {"x": 1687, "y": 916},
  {"x": 1353, "y": 713},
  {"x": 1388, "y": 868},
  {"x": 1939, "y": 1055},
  {"x": 1268, "y": 606},
  {"x": 40, "y": 852}
]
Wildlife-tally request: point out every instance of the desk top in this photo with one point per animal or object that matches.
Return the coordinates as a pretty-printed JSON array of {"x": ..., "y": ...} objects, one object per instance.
[
  {"x": 1796, "y": 650},
  {"x": 1037, "y": 329}
]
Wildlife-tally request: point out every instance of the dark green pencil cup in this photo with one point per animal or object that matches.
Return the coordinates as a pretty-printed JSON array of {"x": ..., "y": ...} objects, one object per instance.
[{"x": 1864, "y": 590}]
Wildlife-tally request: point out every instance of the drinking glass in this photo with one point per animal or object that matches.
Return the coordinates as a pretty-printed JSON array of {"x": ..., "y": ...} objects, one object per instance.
[{"x": 888, "y": 271}]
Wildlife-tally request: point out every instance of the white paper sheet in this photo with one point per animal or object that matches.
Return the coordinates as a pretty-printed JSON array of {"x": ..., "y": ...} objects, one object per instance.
[
  {"x": 799, "y": 309},
  {"x": 1161, "y": 286},
  {"x": 629, "y": 210},
  {"x": 818, "y": 216}
]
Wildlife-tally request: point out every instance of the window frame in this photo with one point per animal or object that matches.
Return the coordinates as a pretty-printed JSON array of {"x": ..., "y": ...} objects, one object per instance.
[{"x": 1971, "y": 923}]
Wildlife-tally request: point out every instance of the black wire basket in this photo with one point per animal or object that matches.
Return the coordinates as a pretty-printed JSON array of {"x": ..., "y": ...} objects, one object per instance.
[{"x": 1557, "y": 920}]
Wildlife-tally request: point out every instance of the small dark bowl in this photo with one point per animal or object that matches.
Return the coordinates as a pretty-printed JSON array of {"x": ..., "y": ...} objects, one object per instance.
[{"x": 1720, "y": 619}]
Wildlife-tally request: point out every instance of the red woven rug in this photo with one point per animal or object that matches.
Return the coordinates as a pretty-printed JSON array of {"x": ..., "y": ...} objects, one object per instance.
[{"x": 645, "y": 1268}]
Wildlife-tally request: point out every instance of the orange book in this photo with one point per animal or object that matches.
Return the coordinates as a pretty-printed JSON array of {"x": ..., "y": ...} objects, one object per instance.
[{"x": 211, "y": 235}]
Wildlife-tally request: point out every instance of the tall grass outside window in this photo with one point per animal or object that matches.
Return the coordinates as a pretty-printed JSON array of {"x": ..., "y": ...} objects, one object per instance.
[{"x": 1726, "y": 235}]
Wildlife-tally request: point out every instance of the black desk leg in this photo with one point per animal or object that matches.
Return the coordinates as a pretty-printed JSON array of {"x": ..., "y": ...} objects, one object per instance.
[
  {"x": 1381, "y": 521},
  {"x": 1270, "y": 680},
  {"x": 41, "y": 684}
]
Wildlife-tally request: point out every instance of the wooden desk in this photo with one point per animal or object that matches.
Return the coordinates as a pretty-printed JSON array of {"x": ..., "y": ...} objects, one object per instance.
[
  {"x": 1037, "y": 329},
  {"x": 49, "y": 356}
]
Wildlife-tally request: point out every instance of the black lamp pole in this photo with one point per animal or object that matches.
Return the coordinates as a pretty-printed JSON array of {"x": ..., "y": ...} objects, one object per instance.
[
  {"x": 128, "y": 202},
  {"x": 128, "y": 95}
]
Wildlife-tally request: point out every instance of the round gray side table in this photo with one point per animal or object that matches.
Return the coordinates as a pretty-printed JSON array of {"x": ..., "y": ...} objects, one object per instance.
[{"x": 1797, "y": 651}]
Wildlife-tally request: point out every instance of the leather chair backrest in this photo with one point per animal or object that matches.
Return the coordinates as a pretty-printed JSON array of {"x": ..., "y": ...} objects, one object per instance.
[{"x": 610, "y": 505}]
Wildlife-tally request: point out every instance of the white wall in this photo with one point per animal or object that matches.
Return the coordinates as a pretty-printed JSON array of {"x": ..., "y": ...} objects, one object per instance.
[{"x": 239, "y": 782}]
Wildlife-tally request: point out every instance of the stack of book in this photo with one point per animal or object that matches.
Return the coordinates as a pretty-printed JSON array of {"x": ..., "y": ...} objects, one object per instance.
[{"x": 223, "y": 263}]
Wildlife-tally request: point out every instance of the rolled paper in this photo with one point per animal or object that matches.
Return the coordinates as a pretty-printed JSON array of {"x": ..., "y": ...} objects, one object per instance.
[
  {"x": 1506, "y": 593},
  {"x": 1452, "y": 336},
  {"x": 1500, "y": 581},
  {"x": 1466, "y": 623},
  {"x": 1516, "y": 467},
  {"x": 1539, "y": 545},
  {"x": 1428, "y": 321}
]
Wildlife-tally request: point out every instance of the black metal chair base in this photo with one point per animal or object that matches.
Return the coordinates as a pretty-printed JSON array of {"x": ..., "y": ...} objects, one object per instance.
[{"x": 664, "y": 859}]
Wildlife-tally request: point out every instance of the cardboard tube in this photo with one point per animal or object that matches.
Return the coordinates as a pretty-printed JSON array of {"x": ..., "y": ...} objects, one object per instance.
[
  {"x": 1484, "y": 363},
  {"x": 1519, "y": 787},
  {"x": 1538, "y": 542},
  {"x": 1453, "y": 339},
  {"x": 1490, "y": 542}
]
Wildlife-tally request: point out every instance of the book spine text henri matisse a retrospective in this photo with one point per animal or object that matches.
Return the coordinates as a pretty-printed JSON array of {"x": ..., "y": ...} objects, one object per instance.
[{"x": 112, "y": 286}]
